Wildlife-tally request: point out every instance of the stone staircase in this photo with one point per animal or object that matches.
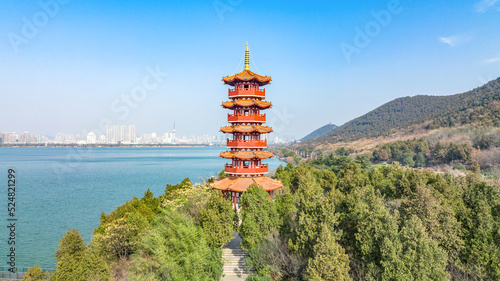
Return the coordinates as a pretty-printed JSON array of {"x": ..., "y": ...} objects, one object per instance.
[{"x": 234, "y": 260}]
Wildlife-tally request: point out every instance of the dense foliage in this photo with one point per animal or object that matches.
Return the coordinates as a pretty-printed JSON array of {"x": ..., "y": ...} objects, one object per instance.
[
  {"x": 259, "y": 216},
  {"x": 176, "y": 249},
  {"x": 419, "y": 153},
  {"x": 77, "y": 261},
  {"x": 339, "y": 220},
  {"x": 176, "y": 236},
  {"x": 383, "y": 223}
]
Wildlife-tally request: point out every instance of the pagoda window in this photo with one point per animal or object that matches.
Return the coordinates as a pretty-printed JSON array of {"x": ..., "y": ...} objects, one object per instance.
[
  {"x": 246, "y": 87},
  {"x": 245, "y": 163},
  {"x": 246, "y": 112}
]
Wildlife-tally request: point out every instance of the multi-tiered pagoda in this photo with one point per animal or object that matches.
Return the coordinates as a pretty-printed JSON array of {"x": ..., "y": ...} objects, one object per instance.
[{"x": 246, "y": 127}]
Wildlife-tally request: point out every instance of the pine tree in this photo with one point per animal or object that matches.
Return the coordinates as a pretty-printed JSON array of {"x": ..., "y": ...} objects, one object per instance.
[
  {"x": 217, "y": 220},
  {"x": 259, "y": 217},
  {"x": 329, "y": 261}
]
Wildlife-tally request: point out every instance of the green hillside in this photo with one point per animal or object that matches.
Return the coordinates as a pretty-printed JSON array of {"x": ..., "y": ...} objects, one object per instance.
[
  {"x": 480, "y": 106},
  {"x": 328, "y": 128}
]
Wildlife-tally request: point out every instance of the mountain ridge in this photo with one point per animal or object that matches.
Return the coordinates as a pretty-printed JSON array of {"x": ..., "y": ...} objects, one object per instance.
[
  {"x": 478, "y": 106},
  {"x": 321, "y": 131}
]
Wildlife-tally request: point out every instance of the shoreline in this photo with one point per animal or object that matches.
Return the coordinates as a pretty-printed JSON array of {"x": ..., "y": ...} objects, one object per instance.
[{"x": 105, "y": 145}]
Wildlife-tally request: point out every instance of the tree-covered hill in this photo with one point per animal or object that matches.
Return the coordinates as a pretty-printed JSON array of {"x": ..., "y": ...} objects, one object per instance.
[
  {"x": 480, "y": 106},
  {"x": 328, "y": 128}
]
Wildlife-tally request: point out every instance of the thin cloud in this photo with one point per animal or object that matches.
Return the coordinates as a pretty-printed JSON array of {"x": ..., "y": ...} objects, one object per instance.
[
  {"x": 485, "y": 5},
  {"x": 453, "y": 41},
  {"x": 492, "y": 60}
]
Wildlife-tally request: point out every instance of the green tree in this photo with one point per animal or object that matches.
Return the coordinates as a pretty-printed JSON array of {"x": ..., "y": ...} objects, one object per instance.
[
  {"x": 259, "y": 218},
  {"x": 407, "y": 159},
  {"x": 422, "y": 146},
  {"x": 300, "y": 175},
  {"x": 34, "y": 273},
  {"x": 77, "y": 262},
  {"x": 481, "y": 230},
  {"x": 119, "y": 232},
  {"x": 176, "y": 249},
  {"x": 439, "y": 151},
  {"x": 312, "y": 210},
  {"x": 366, "y": 222},
  {"x": 329, "y": 261},
  {"x": 474, "y": 167},
  {"x": 363, "y": 161},
  {"x": 70, "y": 245},
  {"x": 420, "y": 160},
  {"x": 285, "y": 208},
  {"x": 326, "y": 179},
  {"x": 217, "y": 220},
  {"x": 284, "y": 174},
  {"x": 437, "y": 217},
  {"x": 413, "y": 256},
  {"x": 351, "y": 177},
  {"x": 186, "y": 183},
  {"x": 120, "y": 238}
]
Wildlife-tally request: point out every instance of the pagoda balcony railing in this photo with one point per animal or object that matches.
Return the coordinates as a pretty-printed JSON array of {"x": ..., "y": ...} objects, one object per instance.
[
  {"x": 246, "y": 143},
  {"x": 247, "y": 92},
  {"x": 246, "y": 118},
  {"x": 230, "y": 169}
]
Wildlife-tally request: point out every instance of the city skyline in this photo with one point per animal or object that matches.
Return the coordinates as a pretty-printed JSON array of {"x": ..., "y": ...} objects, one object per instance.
[
  {"x": 116, "y": 135},
  {"x": 70, "y": 65}
]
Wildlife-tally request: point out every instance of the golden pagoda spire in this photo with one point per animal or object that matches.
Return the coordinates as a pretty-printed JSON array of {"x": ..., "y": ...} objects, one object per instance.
[{"x": 247, "y": 59}]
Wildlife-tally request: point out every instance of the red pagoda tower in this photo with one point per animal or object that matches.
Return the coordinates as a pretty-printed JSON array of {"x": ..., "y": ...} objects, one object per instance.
[{"x": 246, "y": 127}]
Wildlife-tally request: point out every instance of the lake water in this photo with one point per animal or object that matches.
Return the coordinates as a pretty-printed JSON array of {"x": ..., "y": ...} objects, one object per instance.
[{"x": 68, "y": 188}]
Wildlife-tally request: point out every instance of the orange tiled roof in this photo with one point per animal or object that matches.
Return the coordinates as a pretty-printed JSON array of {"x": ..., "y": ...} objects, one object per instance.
[
  {"x": 240, "y": 184},
  {"x": 246, "y": 155},
  {"x": 247, "y": 103},
  {"x": 247, "y": 76},
  {"x": 246, "y": 129}
]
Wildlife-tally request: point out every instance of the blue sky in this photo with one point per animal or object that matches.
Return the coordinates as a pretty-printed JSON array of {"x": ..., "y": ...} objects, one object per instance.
[{"x": 72, "y": 66}]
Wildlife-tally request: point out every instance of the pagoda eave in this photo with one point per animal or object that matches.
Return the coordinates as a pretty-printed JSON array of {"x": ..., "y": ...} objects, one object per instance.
[
  {"x": 246, "y": 129},
  {"x": 241, "y": 184},
  {"x": 246, "y": 103},
  {"x": 246, "y": 76},
  {"x": 246, "y": 155}
]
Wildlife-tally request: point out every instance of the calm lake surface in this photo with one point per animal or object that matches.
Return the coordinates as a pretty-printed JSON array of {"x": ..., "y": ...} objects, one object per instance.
[{"x": 68, "y": 188}]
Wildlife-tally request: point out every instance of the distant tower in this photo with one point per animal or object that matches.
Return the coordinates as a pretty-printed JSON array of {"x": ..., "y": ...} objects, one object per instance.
[
  {"x": 131, "y": 133},
  {"x": 123, "y": 133},
  {"x": 247, "y": 143},
  {"x": 173, "y": 134},
  {"x": 109, "y": 134},
  {"x": 116, "y": 133}
]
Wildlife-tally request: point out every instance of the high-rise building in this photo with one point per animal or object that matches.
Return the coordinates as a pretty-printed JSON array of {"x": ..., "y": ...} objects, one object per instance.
[
  {"x": 246, "y": 128},
  {"x": 123, "y": 133},
  {"x": 116, "y": 133},
  {"x": 131, "y": 133},
  {"x": 91, "y": 138},
  {"x": 109, "y": 134},
  {"x": 173, "y": 134}
]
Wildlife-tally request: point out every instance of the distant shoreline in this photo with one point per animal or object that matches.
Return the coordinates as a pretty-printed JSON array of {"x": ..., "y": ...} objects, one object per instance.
[{"x": 24, "y": 145}]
